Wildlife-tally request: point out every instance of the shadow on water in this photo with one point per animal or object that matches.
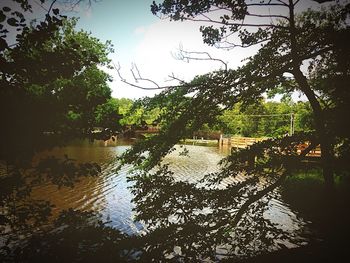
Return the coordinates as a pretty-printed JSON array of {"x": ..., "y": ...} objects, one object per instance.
[{"x": 110, "y": 196}]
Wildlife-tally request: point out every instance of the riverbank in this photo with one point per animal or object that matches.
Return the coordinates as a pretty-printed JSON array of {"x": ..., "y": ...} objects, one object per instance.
[
  {"x": 328, "y": 217},
  {"x": 199, "y": 142}
]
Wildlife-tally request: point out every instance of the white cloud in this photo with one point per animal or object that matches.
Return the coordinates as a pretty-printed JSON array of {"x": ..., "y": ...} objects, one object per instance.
[
  {"x": 154, "y": 57},
  {"x": 140, "y": 30}
]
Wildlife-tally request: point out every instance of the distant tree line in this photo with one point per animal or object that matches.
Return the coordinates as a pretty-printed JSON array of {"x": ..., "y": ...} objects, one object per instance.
[
  {"x": 52, "y": 90},
  {"x": 266, "y": 119},
  {"x": 262, "y": 119}
]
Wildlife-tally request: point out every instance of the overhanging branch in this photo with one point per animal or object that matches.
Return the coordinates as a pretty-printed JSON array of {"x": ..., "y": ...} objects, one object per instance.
[
  {"x": 196, "y": 55},
  {"x": 137, "y": 77}
]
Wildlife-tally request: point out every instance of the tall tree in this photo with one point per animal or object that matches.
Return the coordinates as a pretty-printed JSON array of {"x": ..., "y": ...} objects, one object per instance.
[
  {"x": 208, "y": 213},
  {"x": 288, "y": 42},
  {"x": 51, "y": 90}
]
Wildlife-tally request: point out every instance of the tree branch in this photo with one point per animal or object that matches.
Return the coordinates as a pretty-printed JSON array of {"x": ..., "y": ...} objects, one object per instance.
[
  {"x": 139, "y": 78},
  {"x": 51, "y": 6},
  {"x": 254, "y": 198},
  {"x": 268, "y": 4},
  {"x": 231, "y": 45},
  {"x": 257, "y": 197},
  {"x": 41, "y": 5},
  {"x": 209, "y": 20},
  {"x": 187, "y": 56},
  {"x": 268, "y": 16}
]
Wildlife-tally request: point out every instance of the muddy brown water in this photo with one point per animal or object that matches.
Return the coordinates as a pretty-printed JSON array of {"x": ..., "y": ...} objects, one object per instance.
[{"x": 109, "y": 193}]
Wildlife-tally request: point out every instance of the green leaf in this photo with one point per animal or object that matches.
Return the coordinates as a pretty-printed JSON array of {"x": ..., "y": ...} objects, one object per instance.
[
  {"x": 2, "y": 17},
  {"x": 56, "y": 11},
  {"x": 12, "y": 21},
  {"x": 6, "y": 9}
]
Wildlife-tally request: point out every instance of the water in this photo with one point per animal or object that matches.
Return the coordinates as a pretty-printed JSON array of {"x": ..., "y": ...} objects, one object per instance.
[{"x": 109, "y": 194}]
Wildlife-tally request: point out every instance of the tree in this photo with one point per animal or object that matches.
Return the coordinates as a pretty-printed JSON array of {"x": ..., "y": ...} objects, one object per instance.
[
  {"x": 288, "y": 42},
  {"x": 214, "y": 216},
  {"x": 266, "y": 119},
  {"x": 134, "y": 113},
  {"x": 51, "y": 89},
  {"x": 107, "y": 116}
]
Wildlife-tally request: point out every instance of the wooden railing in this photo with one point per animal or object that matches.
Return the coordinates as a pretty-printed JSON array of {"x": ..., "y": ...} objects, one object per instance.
[{"x": 243, "y": 142}]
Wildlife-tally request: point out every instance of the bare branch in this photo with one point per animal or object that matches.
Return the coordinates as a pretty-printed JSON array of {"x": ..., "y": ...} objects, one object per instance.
[
  {"x": 188, "y": 55},
  {"x": 296, "y": 2},
  {"x": 72, "y": 4},
  {"x": 269, "y": 4},
  {"x": 268, "y": 16},
  {"x": 283, "y": 3},
  {"x": 230, "y": 45},
  {"x": 138, "y": 78},
  {"x": 172, "y": 78},
  {"x": 209, "y": 20},
  {"x": 89, "y": 3},
  {"x": 51, "y": 6}
]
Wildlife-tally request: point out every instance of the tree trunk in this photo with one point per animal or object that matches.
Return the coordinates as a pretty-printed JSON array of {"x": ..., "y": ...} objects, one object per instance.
[
  {"x": 321, "y": 129},
  {"x": 325, "y": 144}
]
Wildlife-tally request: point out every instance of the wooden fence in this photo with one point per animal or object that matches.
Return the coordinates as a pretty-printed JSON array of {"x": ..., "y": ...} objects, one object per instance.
[{"x": 243, "y": 142}]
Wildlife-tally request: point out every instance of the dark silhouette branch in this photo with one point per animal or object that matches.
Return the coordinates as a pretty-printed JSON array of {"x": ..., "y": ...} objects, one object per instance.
[
  {"x": 89, "y": 3},
  {"x": 252, "y": 199},
  {"x": 268, "y": 4},
  {"x": 41, "y": 5},
  {"x": 209, "y": 20},
  {"x": 256, "y": 197},
  {"x": 231, "y": 45},
  {"x": 51, "y": 6},
  {"x": 268, "y": 16}
]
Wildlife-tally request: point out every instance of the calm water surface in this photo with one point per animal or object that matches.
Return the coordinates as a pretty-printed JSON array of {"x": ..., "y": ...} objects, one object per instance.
[{"x": 109, "y": 194}]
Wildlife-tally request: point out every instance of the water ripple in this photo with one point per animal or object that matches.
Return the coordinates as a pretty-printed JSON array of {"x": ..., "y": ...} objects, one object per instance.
[{"x": 110, "y": 195}]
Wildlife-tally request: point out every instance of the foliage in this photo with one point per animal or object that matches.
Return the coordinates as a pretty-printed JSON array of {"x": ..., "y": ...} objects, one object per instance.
[
  {"x": 50, "y": 83},
  {"x": 219, "y": 211},
  {"x": 232, "y": 214},
  {"x": 51, "y": 90},
  {"x": 135, "y": 114},
  {"x": 74, "y": 236},
  {"x": 266, "y": 119},
  {"x": 107, "y": 115}
]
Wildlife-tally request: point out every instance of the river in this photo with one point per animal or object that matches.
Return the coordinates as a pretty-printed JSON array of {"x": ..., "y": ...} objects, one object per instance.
[{"x": 109, "y": 194}]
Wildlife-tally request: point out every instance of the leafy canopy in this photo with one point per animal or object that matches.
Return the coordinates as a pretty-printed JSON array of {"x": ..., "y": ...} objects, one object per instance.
[
  {"x": 199, "y": 218},
  {"x": 52, "y": 89}
]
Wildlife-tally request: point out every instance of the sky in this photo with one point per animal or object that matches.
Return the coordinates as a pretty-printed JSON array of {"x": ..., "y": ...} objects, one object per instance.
[
  {"x": 150, "y": 43},
  {"x": 142, "y": 39}
]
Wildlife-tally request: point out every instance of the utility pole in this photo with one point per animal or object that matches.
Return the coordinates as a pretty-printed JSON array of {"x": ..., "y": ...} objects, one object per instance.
[{"x": 291, "y": 124}]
